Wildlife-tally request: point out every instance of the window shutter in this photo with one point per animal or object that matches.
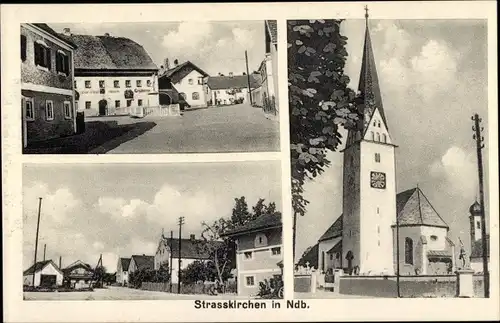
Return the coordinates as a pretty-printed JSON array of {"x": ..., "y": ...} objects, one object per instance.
[
  {"x": 47, "y": 57},
  {"x": 37, "y": 53},
  {"x": 23, "y": 47},
  {"x": 58, "y": 62},
  {"x": 66, "y": 64}
]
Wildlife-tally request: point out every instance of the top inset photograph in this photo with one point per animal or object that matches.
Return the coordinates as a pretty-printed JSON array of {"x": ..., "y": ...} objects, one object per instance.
[{"x": 149, "y": 88}]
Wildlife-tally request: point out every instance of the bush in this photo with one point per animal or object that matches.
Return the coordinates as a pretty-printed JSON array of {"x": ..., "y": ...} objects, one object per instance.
[{"x": 272, "y": 288}]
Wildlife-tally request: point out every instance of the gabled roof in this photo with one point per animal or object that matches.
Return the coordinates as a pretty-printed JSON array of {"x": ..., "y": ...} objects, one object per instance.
[
  {"x": 53, "y": 33},
  {"x": 39, "y": 266},
  {"x": 144, "y": 262},
  {"x": 125, "y": 262},
  {"x": 477, "y": 248},
  {"x": 263, "y": 222},
  {"x": 272, "y": 29},
  {"x": 181, "y": 71},
  {"x": 232, "y": 82},
  {"x": 77, "y": 264},
  {"x": 190, "y": 249},
  {"x": 110, "y": 53},
  {"x": 413, "y": 208},
  {"x": 335, "y": 230}
]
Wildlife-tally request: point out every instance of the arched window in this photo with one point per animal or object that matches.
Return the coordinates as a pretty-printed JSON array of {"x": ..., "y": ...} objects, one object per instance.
[
  {"x": 190, "y": 81},
  {"x": 378, "y": 136},
  {"x": 260, "y": 240},
  {"x": 195, "y": 96},
  {"x": 379, "y": 124},
  {"x": 478, "y": 225},
  {"x": 384, "y": 138},
  {"x": 408, "y": 251},
  {"x": 373, "y": 135}
]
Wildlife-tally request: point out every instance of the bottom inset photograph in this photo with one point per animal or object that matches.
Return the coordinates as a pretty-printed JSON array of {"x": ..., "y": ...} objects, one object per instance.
[{"x": 152, "y": 231}]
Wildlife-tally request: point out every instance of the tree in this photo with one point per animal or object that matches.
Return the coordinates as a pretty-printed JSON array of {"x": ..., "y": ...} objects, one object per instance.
[
  {"x": 319, "y": 99},
  {"x": 99, "y": 275}
]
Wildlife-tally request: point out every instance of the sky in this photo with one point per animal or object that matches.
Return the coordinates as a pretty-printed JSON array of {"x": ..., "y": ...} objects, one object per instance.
[
  {"x": 118, "y": 210},
  {"x": 215, "y": 47},
  {"x": 433, "y": 77}
]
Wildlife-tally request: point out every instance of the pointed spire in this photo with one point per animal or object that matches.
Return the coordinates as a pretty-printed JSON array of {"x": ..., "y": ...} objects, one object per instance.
[{"x": 368, "y": 81}]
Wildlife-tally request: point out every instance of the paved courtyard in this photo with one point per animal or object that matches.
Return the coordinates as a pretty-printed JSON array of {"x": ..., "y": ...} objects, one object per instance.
[{"x": 120, "y": 293}]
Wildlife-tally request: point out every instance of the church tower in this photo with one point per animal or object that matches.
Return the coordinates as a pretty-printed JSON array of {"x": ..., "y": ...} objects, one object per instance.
[
  {"x": 475, "y": 222},
  {"x": 369, "y": 180}
]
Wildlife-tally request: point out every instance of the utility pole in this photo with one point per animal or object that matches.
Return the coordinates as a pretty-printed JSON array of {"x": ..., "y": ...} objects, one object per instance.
[
  {"x": 479, "y": 146},
  {"x": 248, "y": 79},
  {"x": 397, "y": 257},
  {"x": 44, "y": 250},
  {"x": 171, "y": 257},
  {"x": 181, "y": 222},
  {"x": 36, "y": 241}
]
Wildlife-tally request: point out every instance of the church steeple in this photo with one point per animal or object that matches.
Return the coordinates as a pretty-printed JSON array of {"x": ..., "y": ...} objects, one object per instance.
[{"x": 368, "y": 82}]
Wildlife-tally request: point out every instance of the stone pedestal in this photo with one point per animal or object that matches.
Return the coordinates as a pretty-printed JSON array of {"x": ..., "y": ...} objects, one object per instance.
[
  {"x": 337, "y": 273},
  {"x": 465, "y": 283},
  {"x": 313, "y": 282}
]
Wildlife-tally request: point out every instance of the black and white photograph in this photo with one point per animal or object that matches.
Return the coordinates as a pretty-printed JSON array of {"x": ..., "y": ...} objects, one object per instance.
[
  {"x": 388, "y": 128},
  {"x": 122, "y": 231},
  {"x": 149, "y": 88}
]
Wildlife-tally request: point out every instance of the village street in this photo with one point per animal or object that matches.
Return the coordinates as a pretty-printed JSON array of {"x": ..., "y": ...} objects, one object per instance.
[
  {"x": 120, "y": 293},
  {"x": 232, "y": 128}
]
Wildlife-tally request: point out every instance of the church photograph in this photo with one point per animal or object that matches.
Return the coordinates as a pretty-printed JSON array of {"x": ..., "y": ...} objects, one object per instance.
[{"x": 387, "y": 201}]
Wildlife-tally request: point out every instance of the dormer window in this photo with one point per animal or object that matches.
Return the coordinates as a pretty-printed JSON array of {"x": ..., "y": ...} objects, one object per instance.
[{"x": 260, "y": 240}]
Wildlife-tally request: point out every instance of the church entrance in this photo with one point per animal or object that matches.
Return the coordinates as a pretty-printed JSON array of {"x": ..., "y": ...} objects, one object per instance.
[
  {"x": 349, "y": 257},
  {"x": 103, "y": 105}
]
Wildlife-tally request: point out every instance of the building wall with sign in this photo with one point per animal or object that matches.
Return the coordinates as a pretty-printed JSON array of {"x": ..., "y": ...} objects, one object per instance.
[{"x": 103, "y": 88}]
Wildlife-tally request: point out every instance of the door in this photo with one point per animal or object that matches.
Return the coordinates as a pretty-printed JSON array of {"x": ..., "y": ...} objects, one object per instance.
[
  {"x": 48, "y": 280},
  {"x": 103, "y": 104}
]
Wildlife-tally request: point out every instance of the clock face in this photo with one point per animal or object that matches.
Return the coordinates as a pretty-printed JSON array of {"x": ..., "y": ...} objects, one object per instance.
[{"x": 377, "y": 180}]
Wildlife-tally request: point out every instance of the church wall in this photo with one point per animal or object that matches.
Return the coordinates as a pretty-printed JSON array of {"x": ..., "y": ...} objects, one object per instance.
[
  {"x": 419, "y": 263},
  {"x": 378, "y": 210},
  {"x": 324, "y": 247},
  {"x": 440, "y": 233}
]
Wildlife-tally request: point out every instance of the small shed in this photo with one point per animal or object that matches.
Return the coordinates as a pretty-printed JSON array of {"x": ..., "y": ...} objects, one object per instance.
[{"x": 47, "y": 274}]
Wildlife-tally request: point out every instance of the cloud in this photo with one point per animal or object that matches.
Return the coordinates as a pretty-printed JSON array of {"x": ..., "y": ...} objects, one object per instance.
[
  {"x": 188, "y": 36},
  {"x": 458, "y": 169}
]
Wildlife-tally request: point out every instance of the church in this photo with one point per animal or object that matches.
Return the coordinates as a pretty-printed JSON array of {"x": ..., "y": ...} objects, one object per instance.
[{"x": 363, "y": 239}]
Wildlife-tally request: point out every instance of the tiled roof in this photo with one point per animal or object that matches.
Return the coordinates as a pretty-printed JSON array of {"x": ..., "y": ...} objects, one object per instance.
[
  {"x": 413, "y": 208},
  {"x": 191, "y": 249},
  {"x": 273, "y": 30},
  {"x": 180, "y": 71},
  {"x": 125, "y": 263},
  {"x": 439, "y": 253},
  {"x": 231, "y": 82},
  {"x": 334, "y": 230},
  {"x": 144, "y": 262},
  {"x": 336, "y": 248},
  {"x": 52, "y": 32},
  {"x": 39, "y": 266},
  {"x": 107, "y": 52},
  {"x": 261, "y": 223},
  {"x": 477, "y": 247}
]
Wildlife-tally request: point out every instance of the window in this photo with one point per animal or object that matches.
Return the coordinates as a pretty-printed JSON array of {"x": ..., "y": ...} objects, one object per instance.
[
  {"x": 195, "y": 96},
  {"x": 276, "y": 251},
  {"x": 377, "y": 157},
  {"x": 337, "y": 255},
  {"x": 378, "y": 136},
  {"x": 374, "y": 123},
  {"x": 42, "y": 55},
  {"x": 378, "y": 243},
  {"x": 248, "y": 255},
  {"x": 139, "y": 102},
  {"x": 129, "y": 103},
  {"x": 88, "y": 85},
  {"x": 30, "y": 110},
  {"x": 148, "y": 83},
  {"x": 116, "y": 84},
  {"x": 138, "y": 83},
  {"x": 128, "y": 83},
  {"x": 249, "y": 281},
  {"x": 434, "y": 238},
  {"x": 384, "y": 138},
  {"x": 378, "y": 229},
  {"x": 49, "y": 110},
  {"x": 260, "y": 240},
  {"x": 102, "y": 84},
  {"x": 190, "y": 81},
  {"x": 200, "y": 81},
  {"x": 76, "y": 105},
  {"x": 88, "y": 105},
  {"x": 379, "y": 124},
  {"x": 62, "y": 63},
  {"x": 373, "y": 135},
  {"x": 23, "y": 48},
  {"x": 67, "y": 110},
  {"x": 378, "y": 210},
  {"x": 478, "y": 225},
  {"x": 331, "y": 256},
  {"x": 408, "y": 251},
  {"x": 117, "y": 105}
]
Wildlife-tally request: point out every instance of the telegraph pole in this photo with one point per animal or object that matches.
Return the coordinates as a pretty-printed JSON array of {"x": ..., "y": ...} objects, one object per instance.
[
  {"x": 248, "y": 79},
  {"x": 44, "y": 250},
  {"x": 181, "y": 222},
  {"x": 171, "y": 257},
  {"x": 397, "y": 257},
  {"x": 36, "y": 241},
  {"x": 479, "y": 146}
]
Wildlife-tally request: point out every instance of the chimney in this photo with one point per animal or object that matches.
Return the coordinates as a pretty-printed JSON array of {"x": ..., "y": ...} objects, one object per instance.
[
  {"x": 67, "y": 32},
  {"x": 166, "y": 63},
  {"x": 106, "y": 34},
  {"x": 192, "y": 237},
  {"x": 60, "y": 262}
]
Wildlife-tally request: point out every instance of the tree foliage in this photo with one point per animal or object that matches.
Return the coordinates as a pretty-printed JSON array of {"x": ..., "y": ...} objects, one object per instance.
[
  {"x": 319, "y": 97},
  {"x": 162, "y": 275}
]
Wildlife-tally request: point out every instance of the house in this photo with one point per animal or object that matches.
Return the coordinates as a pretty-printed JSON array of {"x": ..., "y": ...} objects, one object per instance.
[
  {"x": 258, "y": 252},
  {"x": 184, "y": 80},
  {"x": 78, "y": 275},
  {"x": 266, "y": 95},
  {"x": 226, "y": 90},
  {"x": 192, "y": 250},
  {"x": 141, "y": 262},
  {"x": 46, "y": 272},
  {"x": 113, "y": 75},
  {"x": 122, "y": 271},
  {"x": 476, "y": 238},
  {"x": 47, "y": 94}
]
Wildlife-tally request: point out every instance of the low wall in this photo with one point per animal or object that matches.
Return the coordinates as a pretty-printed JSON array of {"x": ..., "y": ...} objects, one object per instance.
[
  {"x": 201, "y": 288},
  {"x": 302, "y": 283},
  {"x": 410, "y": 286},
  {"x": 159, "y": 111}
]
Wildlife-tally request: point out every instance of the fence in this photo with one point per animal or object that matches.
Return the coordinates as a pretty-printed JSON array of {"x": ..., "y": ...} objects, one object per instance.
[
  {"x": 198, "y": 288},
  {"x": 160, "y": 111}
]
